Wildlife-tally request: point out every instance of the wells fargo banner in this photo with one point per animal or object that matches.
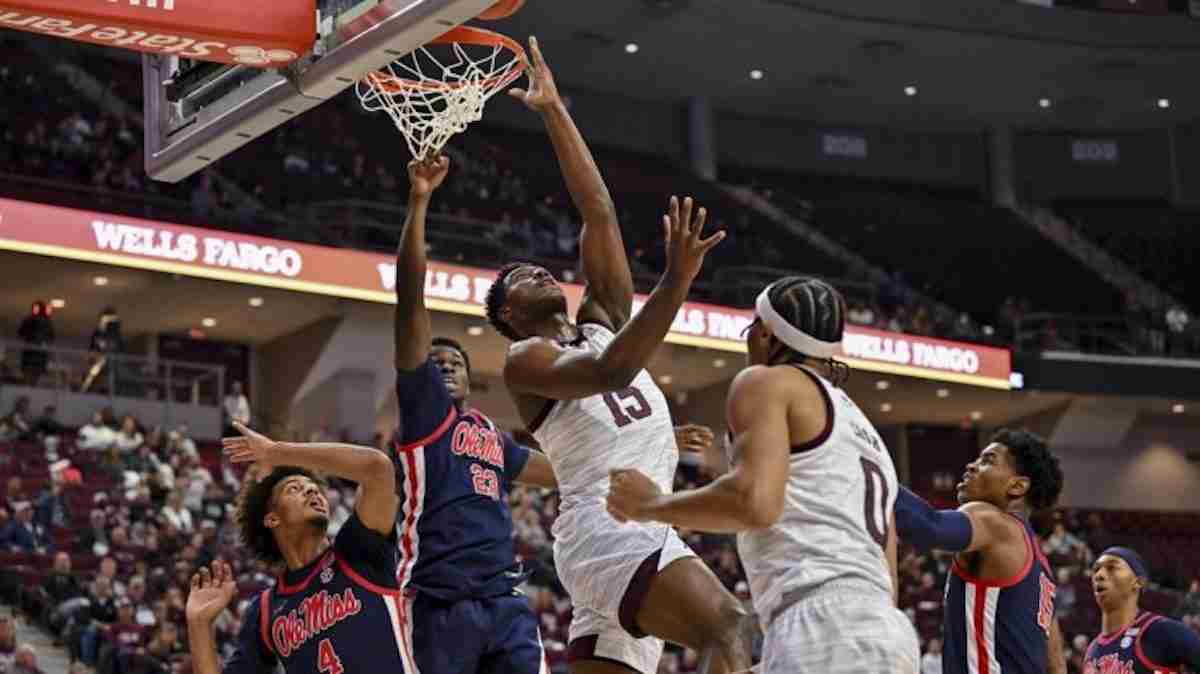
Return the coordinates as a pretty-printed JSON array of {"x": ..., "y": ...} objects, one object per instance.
[
  {"x": 264, "y": 34},
  {"x": 146, "y": 244}
]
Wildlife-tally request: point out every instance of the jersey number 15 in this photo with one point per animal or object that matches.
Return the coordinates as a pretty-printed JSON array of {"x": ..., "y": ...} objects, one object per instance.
[{"x": 627, "y": 406}]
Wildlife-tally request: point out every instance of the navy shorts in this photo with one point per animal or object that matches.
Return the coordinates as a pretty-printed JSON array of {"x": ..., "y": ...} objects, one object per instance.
[{"x": 498, "y": 635}]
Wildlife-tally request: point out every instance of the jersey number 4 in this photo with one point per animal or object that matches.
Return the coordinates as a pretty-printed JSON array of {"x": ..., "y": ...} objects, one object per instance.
[
  {"x": 875, "y": 501},
  {"x": 328, "y": 661},
  {"x": 627, "y": 406}
]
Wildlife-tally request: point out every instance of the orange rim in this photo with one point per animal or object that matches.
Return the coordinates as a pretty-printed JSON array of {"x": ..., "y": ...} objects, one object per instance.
[{"x": 390, "y": 84}]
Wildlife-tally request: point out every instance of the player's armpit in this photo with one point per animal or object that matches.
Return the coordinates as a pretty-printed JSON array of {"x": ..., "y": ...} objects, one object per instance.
[
  {"x": 757, "y": 407},
  {"x": 542, "y": 368},
  {"x": 989, "y": 525},
  {"x": 538, "y": 472}
]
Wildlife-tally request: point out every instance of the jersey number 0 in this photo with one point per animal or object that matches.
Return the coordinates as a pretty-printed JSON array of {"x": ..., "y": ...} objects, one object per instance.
[{"x": 875, "y": 501}]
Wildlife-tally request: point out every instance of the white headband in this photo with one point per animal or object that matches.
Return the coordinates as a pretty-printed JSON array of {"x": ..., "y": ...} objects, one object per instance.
[{"x": 789, "y": 334}]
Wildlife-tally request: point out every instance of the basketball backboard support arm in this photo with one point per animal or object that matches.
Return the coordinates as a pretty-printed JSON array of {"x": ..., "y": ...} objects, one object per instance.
[{"x": 188, "y": 130}]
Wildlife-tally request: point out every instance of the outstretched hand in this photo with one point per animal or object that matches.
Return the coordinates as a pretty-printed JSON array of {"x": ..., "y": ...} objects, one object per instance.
[
  {"x": 542, "y": 92},
  {"x": 211, "y": 592},
  {"x": 425, "y": 176},
  {"x": 685, "y": 248},
  {"x": 250, "y": 447}
]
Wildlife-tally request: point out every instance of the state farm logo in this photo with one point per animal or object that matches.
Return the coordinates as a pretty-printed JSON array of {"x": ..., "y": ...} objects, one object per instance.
[
  {"x": 154, "y": 42},
  {"x": 168, "y": 5},
  {"x": 257, "y": 56}
]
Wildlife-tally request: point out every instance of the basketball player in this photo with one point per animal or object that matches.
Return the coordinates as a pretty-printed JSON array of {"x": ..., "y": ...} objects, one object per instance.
[
  {"x": 999, "y": 606},
  {"x": 455, "y": 468},
  {"x": 584, "y": 393},
  {"x": 810, "y": 496},
  {"x": 1134, "y": 641},
  {"x": 336, "y": 608}
]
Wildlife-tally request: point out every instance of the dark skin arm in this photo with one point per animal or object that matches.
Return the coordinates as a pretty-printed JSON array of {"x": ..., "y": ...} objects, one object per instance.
[
  {"x": 543, "y": 368},
  {"x": 608, "y": 298},
  {"x": 413, "y": 329}
]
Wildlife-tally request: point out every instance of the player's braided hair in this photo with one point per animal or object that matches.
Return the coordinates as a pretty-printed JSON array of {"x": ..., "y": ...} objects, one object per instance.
[
  {"x": 815, "y": 308},
  {"x": 447, "y": 343},
  {"x": 496, "y": 296},
  {"x": 1033, "y": 459},
  {"x": 254, "y": 502}
]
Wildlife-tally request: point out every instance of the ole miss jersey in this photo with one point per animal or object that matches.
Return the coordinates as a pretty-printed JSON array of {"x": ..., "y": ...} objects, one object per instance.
[
  {"x": 1151, "y": 644},
  {"x": 343, "y": 612},
  {"x": 454, "y": 471},
  {"x": 1000, "y": 626}
]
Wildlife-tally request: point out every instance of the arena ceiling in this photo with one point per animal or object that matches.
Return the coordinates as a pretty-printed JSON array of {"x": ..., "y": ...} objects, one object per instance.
[{"x": 974, "y": 63}]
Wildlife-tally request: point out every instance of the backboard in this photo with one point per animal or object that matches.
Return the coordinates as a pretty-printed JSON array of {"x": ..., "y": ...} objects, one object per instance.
[{"x": 197, "y": 112}]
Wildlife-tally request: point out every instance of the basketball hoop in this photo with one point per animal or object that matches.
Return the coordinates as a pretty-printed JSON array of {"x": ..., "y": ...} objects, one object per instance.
[{"x": 432, "y": 95}]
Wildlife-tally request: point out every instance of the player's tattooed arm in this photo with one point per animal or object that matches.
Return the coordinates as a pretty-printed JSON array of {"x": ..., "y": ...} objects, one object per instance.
[
  {"x": 413, "y": 330},
  {"x": 751, "y": 496},
  {"x": 372, "y": 469},
  {"x": 609, "y": 295},
  {"x": 543, "y": 368}
]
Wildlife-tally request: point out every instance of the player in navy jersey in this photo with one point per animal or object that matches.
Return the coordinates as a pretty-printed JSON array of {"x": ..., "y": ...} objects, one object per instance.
[
  {"x": 1134, "y": 641},
  {"x": 999, "y": 602},
  {"x": 454, "y": 468},
  {"x": 337, "y": 607}
]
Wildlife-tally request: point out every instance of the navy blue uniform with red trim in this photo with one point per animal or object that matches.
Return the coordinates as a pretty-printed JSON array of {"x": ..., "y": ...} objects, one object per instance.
[
  {"x": 1000, "y": 626},
  {"x": 340, "y": 613},
  {"x": 457, "y": 555},
  {"x": 1151, "y": 644}
]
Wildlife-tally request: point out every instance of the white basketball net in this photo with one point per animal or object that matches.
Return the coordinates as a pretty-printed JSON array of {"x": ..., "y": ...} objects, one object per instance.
[{"x": 431, "y": 108}]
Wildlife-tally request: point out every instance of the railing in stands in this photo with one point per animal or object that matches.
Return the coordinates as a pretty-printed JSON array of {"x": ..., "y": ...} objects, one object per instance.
[{"x": 1108, "y": 335}]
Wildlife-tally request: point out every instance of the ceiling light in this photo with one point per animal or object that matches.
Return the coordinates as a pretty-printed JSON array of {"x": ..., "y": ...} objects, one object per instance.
[
  {"x": 976, "y": 415},
  {"x": 256, "y": 301},
  {"x": 882, "y": 384},
  {"x": 943, "y": 393},
  {"x": 1164, "y": 103},
  {"x": 665, "y": 380},
  {"x": 58, "y": 303},
  {"x": 756, "y": 74},
  {"x": 100, "y": 280},
  {"x": 1045, "y": 102},
  {"x": 209, "y": 322},
  {"x": 910, "y": 90},
  {"x": 718, "y": 362},
  {"x": 475, "y": 331},
  {"x": 1177, "y": 408},
  {"x": 631, "y": 48},
  {"x": 886, "y": 407}
]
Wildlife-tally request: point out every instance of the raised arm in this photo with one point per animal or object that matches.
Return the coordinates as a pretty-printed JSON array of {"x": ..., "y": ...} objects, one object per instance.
[
  {"x": 370, "y": 468},
  {"x": 974, "y": 526},
  {"x": 751, "y": 496},
  {"x": 541, "y": 367},
  {"x": 609, "y": 295},
  {"x": 414, "y": 333}
]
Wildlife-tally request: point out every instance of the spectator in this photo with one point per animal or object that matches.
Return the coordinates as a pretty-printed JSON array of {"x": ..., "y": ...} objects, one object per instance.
[
  {"x": 18, "y": 419},
  {"x": 51, "y": 509},
  {"x": 125, "y": 633},
  {"x": 178, "y": 516},
  {"x": 143, "y": 613},
  {"x": 96, "y": 435},
  {"x": 237, "y": 408},
  {"x": 156, "y": 657},
  {"x": 106, "y": 342},
  {"x": 1063, "y": 547},
  {"x": 198, "y": 480},
  {"x": 22, "y": 534},
  {"x": 48, "y": 423},
  {"x": 129, "y": 438},
  {"x": 1065, "y": 598},
  {"x": 108, "y": 569},
  {"x": 338, "y": 513},
  {"x": 180, "y": 441},
  {"x": 931, "y": 662},
  {"x": 102, "y": 612},
  {"x": 8, "y": 640},
  {"x": 95, "y": 539},
  {"x": 14, "y": 492},
  {"x": 25, "y": 661},
  {"x": 1188, "y": 608},
  {"x": 37, "y": 330},
  {"x": 59, "y": 587}
]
